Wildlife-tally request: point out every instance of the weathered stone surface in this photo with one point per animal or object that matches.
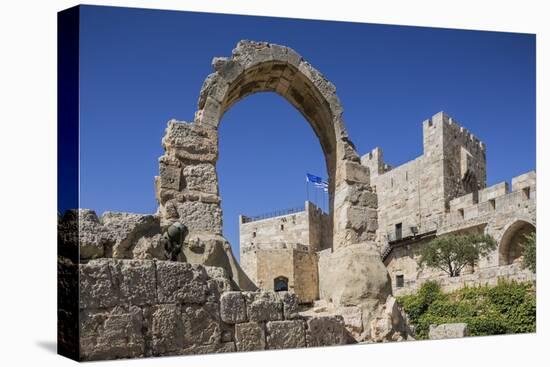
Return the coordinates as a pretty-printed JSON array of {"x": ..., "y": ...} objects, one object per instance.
[
  {"x": 353, "y": 319},
  {"x": 218, "y": 279},
  {"x": 201, "y": 324},
  {"x": 123, "y": 230},
  {"x": 97, "y": 289},
  {"x": 181, "y": 283},
  {"x": 112, "y": 333},
  {"x": 91, "y": 235},
  {"x": 263, "y": 306},
  {"x": 365, "y": 277},
  {"x": 250, "y": 336},
  {"x": 149, "y": 248},
  {"x": 137, "y": 281},
  {"x": 167, "y": 329},
  {"x": 191, "y": 142},
  {"x": 285, "y": 334},
  {"x": 232, "y": 308},
  {"x": 290, "y": 305},
  {"x": 200, "y": 217},
  {"x": 227, "y": 347},
  {"x": 325, "y": 331},
  {"x": 201, "y": 177},
  {"x": 448, "y": 331}
]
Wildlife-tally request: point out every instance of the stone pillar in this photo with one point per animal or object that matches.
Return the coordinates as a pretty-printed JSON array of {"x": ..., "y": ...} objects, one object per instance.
[{"x": 187, "y": 185}]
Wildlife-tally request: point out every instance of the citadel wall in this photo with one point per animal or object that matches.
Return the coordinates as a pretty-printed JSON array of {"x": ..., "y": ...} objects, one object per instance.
[
  {"x": 417, "y": 194},
  {"x": 285, "y": 246},
  {"x": 506, "y": 216}
]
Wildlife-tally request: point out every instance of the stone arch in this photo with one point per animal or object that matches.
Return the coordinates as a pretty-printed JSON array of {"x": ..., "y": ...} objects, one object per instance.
[
  {"x": 280, "y": 283},
  {"x": 509, "y": 246},
  {"x": 263, "y": 67}
]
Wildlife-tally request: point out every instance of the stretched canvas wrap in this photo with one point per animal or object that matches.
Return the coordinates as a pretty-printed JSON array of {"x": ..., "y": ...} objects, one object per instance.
[{"x": 169, "y": 154}]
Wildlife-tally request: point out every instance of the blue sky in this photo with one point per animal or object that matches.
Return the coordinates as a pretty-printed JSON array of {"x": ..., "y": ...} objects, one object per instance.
[{"x": 140, "y": 68}]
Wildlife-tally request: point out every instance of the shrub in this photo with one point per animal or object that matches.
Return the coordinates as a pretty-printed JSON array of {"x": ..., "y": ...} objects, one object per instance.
[{"x": 507, "y": 308}]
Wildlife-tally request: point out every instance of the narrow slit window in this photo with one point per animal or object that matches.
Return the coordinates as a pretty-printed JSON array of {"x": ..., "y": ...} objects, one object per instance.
[{"x": 399, "y": 281}]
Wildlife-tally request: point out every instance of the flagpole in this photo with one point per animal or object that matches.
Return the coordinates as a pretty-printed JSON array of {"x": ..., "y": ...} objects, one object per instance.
[{"x": 307, "y": 189}]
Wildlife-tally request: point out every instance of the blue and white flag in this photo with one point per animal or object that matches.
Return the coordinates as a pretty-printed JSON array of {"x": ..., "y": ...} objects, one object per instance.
[
  {"x": 313, "y": 178},
  {"x": 317, "y": 182}
]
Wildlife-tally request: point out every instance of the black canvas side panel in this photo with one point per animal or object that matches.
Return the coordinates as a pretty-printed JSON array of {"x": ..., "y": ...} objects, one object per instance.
[{"x": 68, "y": 24}]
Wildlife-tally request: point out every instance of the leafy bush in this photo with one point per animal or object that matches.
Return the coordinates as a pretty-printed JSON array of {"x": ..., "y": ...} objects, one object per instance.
[
  {"x": 507, "y": 308},
  {"x": 529, "y": 247}
]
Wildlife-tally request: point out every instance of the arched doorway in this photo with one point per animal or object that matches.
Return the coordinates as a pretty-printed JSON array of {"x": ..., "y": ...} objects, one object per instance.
[
  {"x": 188, "y": 184},
  {"x": 280, "y": 284},
  {"x": 510, "y": 246}
]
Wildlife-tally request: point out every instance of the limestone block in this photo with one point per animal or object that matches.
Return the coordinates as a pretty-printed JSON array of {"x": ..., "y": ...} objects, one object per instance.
[
  {"x": 355, "y": 172},
  {"x": 251, "y": 53},
  {"x": 96, "y": 287},
  {"x": 181, "y": 282},
  {"x": 218, "y": 279},
  {"x": 215, "y": 86},
  {"x": 166, "y": 329},
  {"x": 353, "y": 318},
  {"x": 250, "y": 336},
  {"x": 91, "y": 235},
  {"x": 353, "y": 274},
  {"x": 200, "y": 217},
  {"x": 448, "y": 331},
  {"x": 191, "y": 141},
  {"x": 285, "y": 334},
  {"x": 201, "y": 177},
  {"x": 170, "y": 177},
  {"x": 210, "y": 114},
  {"x": 263, "y": 306},
  {"x": 230, "y": 71},
  {"x": 148, "y": 248},
  {"x": 210, "y": 348},
  {"x": 232, "y": 308},
  {"x": 123, "y": 230},
  {"x": 112, "y": 333},
  {"x": 201, "y": 324},
  {"x": 137, "y": 281},
  {"x": 325, "y": 331},
  {"x": 290, "y": 305}
]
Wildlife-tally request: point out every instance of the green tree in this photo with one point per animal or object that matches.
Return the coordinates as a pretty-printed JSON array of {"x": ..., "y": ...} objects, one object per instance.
[
  {"x": 529, "y": 247},
  {"x": 451, "y": 253}
]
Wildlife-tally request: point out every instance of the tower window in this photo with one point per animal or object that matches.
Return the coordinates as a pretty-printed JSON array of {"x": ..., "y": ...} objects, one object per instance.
[
  {"x": 280, "y": 284},
  {"x": 254, "y": 234},
  {"x": 527, "y": 192},
  {"x": 399, "y": 281},
  {"x": 398, "y": 231},
  {"x": 492, "y": 204},
  {"x": 282, "y": 227},
  {"x": 461, "y": 213}
]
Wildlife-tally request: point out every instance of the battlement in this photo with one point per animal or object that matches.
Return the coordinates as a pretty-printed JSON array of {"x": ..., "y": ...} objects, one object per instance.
[
  {"x": 493, "y": 198},
  {"x": 374, "y": 161},
  {"x": 452, "y": 126}
]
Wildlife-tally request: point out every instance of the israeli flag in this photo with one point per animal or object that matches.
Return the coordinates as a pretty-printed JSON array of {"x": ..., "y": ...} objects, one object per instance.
[
  {"x": 317, "y": 182},
  {"x": 314, "y": 179}
]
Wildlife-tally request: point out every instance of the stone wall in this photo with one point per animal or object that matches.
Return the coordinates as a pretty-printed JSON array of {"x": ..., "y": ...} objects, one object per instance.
[
  {"x": 483, "y": 276},
  {"x": 285, "y": 246},
  {"x": 417, "y": 193},
  {"x": 140, "y": 308},
  {"x": 444, "y": 191}
]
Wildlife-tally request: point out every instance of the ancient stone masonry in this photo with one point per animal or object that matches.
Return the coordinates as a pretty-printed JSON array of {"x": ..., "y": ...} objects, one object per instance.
[
  {"x": 444, "y": 191},
  {"x": 140, "y": 308},
  {"x": 191, "y": 149},
  {"x": 138, "y": 285}
]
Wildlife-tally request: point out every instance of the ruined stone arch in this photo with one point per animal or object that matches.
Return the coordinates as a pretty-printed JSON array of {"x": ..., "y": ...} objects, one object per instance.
[
  {"x": 509, "y": 244},
  {"x": 263, "y": 67}
]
